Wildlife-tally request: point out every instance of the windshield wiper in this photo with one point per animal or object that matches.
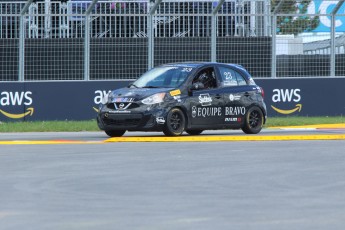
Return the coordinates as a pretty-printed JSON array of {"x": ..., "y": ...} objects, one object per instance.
[{"x": 132, "y": 84}]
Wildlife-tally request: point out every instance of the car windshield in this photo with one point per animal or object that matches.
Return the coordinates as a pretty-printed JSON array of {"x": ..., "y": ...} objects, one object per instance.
[{"x": 163, "y": 77}]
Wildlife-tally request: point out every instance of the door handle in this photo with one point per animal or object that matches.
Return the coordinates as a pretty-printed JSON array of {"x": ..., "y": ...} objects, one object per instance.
[
  {"x": 218, "y": 96},
  {"x": 246, "y": 94}
]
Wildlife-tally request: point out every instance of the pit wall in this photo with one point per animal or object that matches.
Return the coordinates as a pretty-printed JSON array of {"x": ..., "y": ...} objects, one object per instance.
[{"x": 79, "y": 100}]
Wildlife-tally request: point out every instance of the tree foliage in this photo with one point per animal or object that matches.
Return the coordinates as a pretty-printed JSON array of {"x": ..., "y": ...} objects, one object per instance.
[{"x": 294, "y": 24}]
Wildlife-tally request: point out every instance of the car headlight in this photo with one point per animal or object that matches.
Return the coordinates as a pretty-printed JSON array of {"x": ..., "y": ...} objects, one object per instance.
[{"x": 154, "y": 99}]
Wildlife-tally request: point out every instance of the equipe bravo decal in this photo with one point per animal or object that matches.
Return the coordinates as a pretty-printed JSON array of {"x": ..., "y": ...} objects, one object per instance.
[
  {"x": 217, "y": 111},
  {"x": 206, "y": 111},
  {"x": 238, "y": 110}
]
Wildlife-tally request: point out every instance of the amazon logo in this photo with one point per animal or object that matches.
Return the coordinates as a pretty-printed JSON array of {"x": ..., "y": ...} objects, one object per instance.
[
  {"x": 290, "y": 96},
  {"x": 10, "y": 99}
]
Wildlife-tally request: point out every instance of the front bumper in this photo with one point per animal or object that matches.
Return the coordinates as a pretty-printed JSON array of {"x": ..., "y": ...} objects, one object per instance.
[{"x": 137, "y": 120}]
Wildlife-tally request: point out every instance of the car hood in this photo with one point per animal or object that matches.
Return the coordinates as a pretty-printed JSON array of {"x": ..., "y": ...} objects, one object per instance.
[{"x": 138, "y": 93}]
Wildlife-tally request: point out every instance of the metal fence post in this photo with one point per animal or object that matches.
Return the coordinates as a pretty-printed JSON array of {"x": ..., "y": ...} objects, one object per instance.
[
  {"x": 21, "y": 70},
  {"x": 214, "y": 31},
  {"x": 87, "y": 41},
  {"x": 274, "y": 39},
  {"x": 334, "y": 11},
  {"x": 267, "y": 18},
  {"x": 87, "y": 49},
  {"x": 150, "y": 41},
  {"x": 274, "y": 47},
  {"x": 332, "y": 64},
  {"x": 47, "y": 19},
  {"x": 21, "y": 49},
  {"x": 214, "y": 38},
  {"x": 152, "y": 9}
]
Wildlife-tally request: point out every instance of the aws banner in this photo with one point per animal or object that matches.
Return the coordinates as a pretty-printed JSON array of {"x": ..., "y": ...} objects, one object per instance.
[
  {"x": 53, "y": 100},
  {"x": 31, "y": 101},
  {"x": 304, "y": 97}
]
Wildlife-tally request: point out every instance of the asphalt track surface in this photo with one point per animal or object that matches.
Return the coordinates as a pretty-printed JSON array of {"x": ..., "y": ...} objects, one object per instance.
[
  {"x": 87, "y": 181},
  {"x": 311, "y": 132}
]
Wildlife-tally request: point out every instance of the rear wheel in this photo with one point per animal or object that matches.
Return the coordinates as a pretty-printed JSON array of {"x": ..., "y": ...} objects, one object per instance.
[
  {"x": 194, "y": 132},
  {"x": 175, "y": 123},
  {"x": 253, "y": 121},
  {"x": 115, "y": 133}
]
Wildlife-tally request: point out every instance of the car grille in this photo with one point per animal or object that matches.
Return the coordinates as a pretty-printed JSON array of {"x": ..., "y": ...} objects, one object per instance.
[{"x": 127, "y": 105}]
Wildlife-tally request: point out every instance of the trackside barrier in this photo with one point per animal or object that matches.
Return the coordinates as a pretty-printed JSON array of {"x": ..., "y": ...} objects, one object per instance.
[
  {"x": 58, "y": 40},
  {"x": 79, "y": 100}
]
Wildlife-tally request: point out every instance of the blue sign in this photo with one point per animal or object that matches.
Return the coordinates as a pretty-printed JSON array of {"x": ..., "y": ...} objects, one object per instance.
[
  {"x": 326, "y": 7},
  {"x": 33, "y": 101}
]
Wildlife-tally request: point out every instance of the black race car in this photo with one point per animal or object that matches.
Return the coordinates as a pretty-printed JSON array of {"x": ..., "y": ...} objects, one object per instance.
[{"x": 189, "y": 97}]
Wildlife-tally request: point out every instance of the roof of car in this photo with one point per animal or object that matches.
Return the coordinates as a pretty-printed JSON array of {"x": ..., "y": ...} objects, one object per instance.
[{"x": 198, "y": 64}]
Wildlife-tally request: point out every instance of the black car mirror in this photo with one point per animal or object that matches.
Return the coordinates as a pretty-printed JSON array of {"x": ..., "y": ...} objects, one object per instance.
[{"x": 197, "y": 86}]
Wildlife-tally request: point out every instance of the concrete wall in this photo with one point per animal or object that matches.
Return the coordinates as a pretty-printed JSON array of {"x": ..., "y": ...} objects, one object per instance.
[{"x": 79, "y": 100}]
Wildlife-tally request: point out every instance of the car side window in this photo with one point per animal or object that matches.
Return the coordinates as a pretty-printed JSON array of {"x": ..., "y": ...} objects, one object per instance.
[
  {"x": 207, "y": 77},
  {"x": 240, "y": 79},
  {"x": 231, "y": 77}
]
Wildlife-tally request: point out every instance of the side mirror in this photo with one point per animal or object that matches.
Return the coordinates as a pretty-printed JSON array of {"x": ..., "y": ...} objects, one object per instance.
[{"x": 197, "y": 86}]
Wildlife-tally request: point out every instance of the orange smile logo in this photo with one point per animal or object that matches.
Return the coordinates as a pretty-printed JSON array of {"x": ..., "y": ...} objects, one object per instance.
[
  {"x": 289, "y": 111},
  {"x": 29, "y": 112}
]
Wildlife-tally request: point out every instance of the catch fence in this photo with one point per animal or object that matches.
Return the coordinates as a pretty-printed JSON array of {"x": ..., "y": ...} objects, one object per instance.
[{"x": 118, "y": 40}]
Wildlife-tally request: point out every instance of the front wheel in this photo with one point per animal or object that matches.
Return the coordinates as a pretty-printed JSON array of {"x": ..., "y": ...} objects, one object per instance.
[
  {"x": 115, "y": 133},
  {"x": 253, "y": 121},
  {"x": 175, "y": 123}
]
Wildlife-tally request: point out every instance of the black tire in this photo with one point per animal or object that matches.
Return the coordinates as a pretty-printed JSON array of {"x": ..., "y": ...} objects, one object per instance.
[
  {"x": 175, "y": 123},
  {"x": 115, "y": 133},
  {"x": 194, "y": 132},
  {"x": 253, "y": 121}
]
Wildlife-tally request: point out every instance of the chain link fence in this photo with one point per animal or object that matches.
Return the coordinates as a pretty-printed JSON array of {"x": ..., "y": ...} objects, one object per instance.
[{"x": 116, "y": 40}]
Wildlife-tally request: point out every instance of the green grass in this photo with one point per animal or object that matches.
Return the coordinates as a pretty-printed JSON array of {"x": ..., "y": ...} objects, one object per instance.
[
  {"x": 49, "y": 126},
  {"x": 295, "y": 121},
  {"x": 90, "y": 125}
]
